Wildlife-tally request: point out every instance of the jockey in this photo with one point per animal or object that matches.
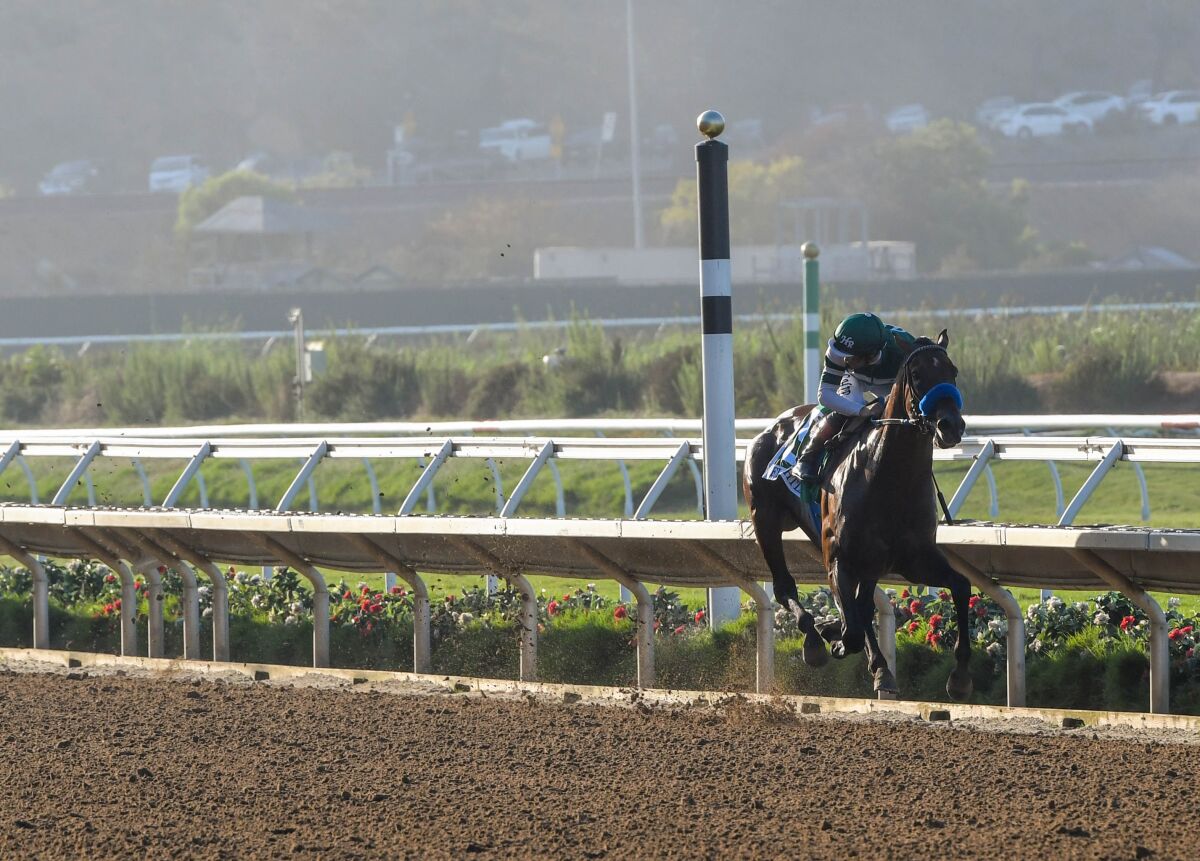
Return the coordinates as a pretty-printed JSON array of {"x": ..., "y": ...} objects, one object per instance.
[{"x": 862, "y": 357}]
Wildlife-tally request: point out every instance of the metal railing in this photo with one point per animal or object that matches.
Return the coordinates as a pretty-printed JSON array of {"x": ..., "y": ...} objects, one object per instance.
[{"x": 543, "y": 453}]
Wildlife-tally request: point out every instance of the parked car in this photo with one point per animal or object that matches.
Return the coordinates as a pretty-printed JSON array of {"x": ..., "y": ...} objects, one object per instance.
[
  {"x": 70, "y": 177},
  {"x": 1094, "y": 105},
  {"x": 1174, "y": 107},
  {"x": 993, "y": 111},
  {"x": 177, "y": 172},
  {"x": 1042, "y": 119},
  {"x": 517, "y": 140},
  {"x": 906, "y": 119}
]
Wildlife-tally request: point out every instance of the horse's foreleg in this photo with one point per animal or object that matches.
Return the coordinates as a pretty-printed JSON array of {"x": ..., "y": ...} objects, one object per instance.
[
  {"x": 933, "y": 570},
  {"x": 883, "y": 679},
  {"x": 769, "y": 535}
]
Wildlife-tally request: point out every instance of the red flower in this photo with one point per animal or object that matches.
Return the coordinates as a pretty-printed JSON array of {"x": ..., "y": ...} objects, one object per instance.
[
  {"x": 375, "y": 608},
  {"x": 680, "y": 629},
  {"x": 449, "y": 599},
  {"x": 1186, "y": 629},
  {"x": 973, "y": 601},
  {"x": 981, "y": 611},
  {"x": 348, "y": 595},
  {"x": 395, "y": 590},
  {"x": 657, "y": 625},
  {"x": 110, "y": 578},
  {"x": 366, "y": 589},
  {"x": 552, "y": 608},
  {"x": 904, "y": 593},
  {"x": 914, "y": 607},
  {"x": 935, "y": 620},
  {"x": 117, "y": 604},
  {"x": 944, "y": 595},
  {"x": 935, "y": 639},
  {"x": 567, "y": 597},
  {"x": 619, "y": 612},
  {"x": 699, "y": 617},
  {"x": 1190, "y": 652},
  {"x": 1173, "y": 634},
  {"x": 913, "y": 626},
  {"x": 162, "y": 569},
  {"x": 1127, "y": 623}
]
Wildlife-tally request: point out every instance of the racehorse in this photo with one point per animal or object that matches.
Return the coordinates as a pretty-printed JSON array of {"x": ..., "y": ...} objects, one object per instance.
[{"x": 877, "y": 513}]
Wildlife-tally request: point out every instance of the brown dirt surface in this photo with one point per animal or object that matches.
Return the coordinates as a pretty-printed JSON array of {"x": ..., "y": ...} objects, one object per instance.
[{"x": 101, "y": 766}]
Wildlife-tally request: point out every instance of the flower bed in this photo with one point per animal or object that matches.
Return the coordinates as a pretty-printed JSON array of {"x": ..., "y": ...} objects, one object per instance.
[{"x": 1086, "y": 654}]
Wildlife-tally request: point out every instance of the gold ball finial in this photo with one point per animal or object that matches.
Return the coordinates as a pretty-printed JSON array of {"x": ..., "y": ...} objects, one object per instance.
[
  {"x": 711, "y": 124},
  {"x": 810, "y": 250}
]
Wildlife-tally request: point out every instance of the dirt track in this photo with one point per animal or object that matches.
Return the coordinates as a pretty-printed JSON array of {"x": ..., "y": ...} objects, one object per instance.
[{"x": 104, "y": 766}]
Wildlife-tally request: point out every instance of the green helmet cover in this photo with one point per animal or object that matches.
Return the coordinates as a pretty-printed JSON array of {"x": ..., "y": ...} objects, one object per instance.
[{"x": 860, "y": 335}]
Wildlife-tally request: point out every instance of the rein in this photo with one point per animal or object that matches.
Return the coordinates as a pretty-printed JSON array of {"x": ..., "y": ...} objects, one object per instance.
[{"x": 922, "y": 422}]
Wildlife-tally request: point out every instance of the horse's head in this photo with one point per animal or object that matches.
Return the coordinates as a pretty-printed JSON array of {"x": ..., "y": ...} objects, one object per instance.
[{"x": 931, "y": 397}]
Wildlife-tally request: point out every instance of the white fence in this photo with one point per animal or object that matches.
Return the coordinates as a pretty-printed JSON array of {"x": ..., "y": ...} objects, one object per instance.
[{"x": 632, "y": 551}]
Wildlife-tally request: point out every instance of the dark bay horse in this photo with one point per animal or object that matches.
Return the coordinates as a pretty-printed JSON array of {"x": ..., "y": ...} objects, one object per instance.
[{"x": 877, "y": 513}]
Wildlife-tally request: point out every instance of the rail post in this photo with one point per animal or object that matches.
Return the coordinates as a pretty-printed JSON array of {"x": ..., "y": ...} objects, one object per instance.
[
  {"x": 885, "y": 623},
  {"x": 716, "y": 350},
  {"x": 812, "y": 322}
]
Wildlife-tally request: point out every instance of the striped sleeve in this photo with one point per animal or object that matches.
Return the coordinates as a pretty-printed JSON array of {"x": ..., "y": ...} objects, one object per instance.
[{"x": 835, "y": 365}]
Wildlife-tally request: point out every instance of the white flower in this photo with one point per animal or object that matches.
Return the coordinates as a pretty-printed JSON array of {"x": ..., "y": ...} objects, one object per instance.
[
  {"x": 256, "y": 602},
  {"x": 1100, "y": 618},
  {"x": 256, "y": 579},
  {"x": 465, "y": 619},
  {"x": 240, "y": 577},
  {"x": 591, "y": 587},
  {"x": 1033, "y": 611},
  {"x": 207, "y": 614},
  {"x": 291, "y": 620},
  {"x": 1082, "y": 606},
  {"x": 820, "y": 599},
  {"x": 995, "y": 650},
  {"x": 891, "y": 593},
  {"x": 1037, "y": 645},
  {"x": 1172, "y": 603},
  {"x": 1054, "y": 603},
  {"x": 204, "y": 592},
  {"x": 296, "y": 607}
]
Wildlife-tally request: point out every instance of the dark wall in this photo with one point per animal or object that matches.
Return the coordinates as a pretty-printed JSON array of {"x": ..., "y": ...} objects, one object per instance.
[{"x": 504, "y": 302}]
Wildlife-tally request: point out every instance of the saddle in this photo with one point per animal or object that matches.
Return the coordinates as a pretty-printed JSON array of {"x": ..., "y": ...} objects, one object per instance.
[{"x": 784, "y": 465}]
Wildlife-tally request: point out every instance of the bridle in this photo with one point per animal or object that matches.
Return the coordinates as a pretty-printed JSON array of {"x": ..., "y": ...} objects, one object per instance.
[{"x": 917, "y": 411}]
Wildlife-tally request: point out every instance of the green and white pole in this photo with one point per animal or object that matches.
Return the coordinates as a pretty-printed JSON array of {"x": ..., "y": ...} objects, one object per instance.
[{"x": 813, "y": 348}]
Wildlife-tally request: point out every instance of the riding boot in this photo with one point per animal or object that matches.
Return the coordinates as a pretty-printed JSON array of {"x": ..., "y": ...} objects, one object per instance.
[{"x": 810, "y": 458}]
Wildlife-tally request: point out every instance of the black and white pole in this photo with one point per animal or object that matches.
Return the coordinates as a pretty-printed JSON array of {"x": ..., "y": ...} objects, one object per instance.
[{"x": 716, "y": 314}]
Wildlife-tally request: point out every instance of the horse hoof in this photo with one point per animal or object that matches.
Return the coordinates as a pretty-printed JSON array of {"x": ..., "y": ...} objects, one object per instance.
[
  {"x": 885, "y": 682},
  {"x": 815, "y": 654},
  {"x": 959, "y": 686}
]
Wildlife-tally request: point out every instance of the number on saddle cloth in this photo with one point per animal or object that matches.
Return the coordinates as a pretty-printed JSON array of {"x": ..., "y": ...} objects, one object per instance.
[{"x": 782, "y": 467}]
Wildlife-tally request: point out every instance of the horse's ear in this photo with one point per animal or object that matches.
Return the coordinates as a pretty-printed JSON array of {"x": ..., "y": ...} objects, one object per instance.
[{"x": 943, "y": 340}]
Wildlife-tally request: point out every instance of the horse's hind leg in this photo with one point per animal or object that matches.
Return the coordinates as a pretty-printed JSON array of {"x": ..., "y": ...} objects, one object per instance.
[
  {"x": 769, "y": 534},
  {"x": 882, "y": 677},
  {"x": 853, "y": 638},
  {"x": 931, "y": 568}
]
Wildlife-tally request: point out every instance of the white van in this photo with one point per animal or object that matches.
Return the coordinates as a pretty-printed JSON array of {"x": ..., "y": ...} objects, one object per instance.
[
  {"x": 177, "y": 172},
  {"x": 516, "y": 140}
]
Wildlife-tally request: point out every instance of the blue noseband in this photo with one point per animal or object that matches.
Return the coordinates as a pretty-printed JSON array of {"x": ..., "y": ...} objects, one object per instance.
[{"x": 939, "y": 392}]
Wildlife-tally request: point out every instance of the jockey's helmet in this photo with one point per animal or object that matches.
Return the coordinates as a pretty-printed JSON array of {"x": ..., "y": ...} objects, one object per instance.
[{"x": 860, "y": 335}]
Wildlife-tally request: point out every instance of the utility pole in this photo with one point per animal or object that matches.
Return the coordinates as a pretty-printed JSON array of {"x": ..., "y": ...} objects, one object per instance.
[{"x": 639, "y": 240}]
